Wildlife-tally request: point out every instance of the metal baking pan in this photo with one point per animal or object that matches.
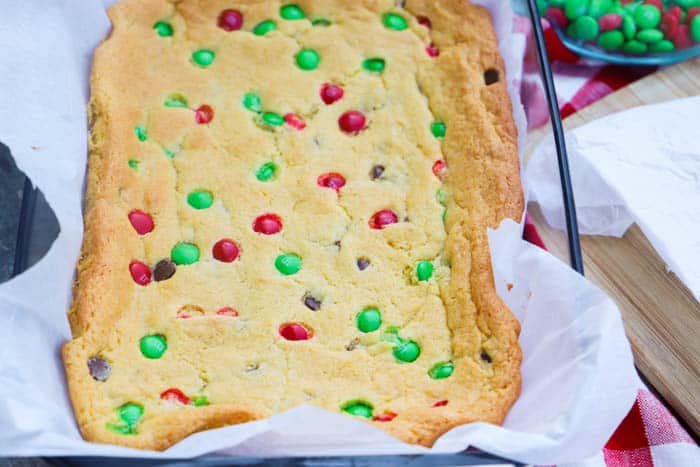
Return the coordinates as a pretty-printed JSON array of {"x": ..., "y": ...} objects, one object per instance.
[{"x": 37, "y": 228}]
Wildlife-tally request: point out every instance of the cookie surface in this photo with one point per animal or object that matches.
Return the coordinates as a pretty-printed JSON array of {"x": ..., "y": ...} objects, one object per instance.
[{"x": 287, "y": 204}]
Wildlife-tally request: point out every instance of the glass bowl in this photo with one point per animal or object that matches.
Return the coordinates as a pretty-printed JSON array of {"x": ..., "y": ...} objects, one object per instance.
[{"x": 593, "y": 52}]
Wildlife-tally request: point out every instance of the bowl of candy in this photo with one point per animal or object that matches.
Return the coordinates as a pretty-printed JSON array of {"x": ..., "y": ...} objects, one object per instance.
[{"x": 631, "y": 32}]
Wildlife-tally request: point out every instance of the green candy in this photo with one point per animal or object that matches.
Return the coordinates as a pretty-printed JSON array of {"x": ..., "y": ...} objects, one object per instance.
[
  {"x": 650, "y": 36},
  {"x": 130, "y": 413},
  {"x": 153, "y": 346},
  {"x": 291, "y": 12},
  {"x": 203, "y": 57},
  {"x": 252, "y": 102},
  {"x": 358, "y": 409},
  {"x": 662, "y": 47},
  {"x": 272, "y": 119},
  {"x": 163, "y": 28},
  {"x": 634, "y": 47},
  {"x": 439, "y": 129},
  {"x": 321, "y": 22},
  {"x": 369, "y": 320},
  {"x": 611, "y": 40},
  {"x": 120, "y": 428},
  {"x": 557, "y": 3},
  {"x": 391, "y": 335},
  {"x": 575, "y": 8},
  {"x": 266, "y": 171},
  {"x": 141, "y": 133},
  {"x": 184, "y": 254},
  {"x": 695, "y": 28},
  {"x": 394, "y": 21},
  {"x": 685, "y": 4},
  {"x": 424, "y": 271},
  {"x": 168, "y": 153},
  {"x": 444, "y": 216},
  {"x": 441, "y": 196},
  {"x": 629, "y": 27},
  {"x": 598, "y": 8},
  {"x": 631, "y": 7},
  {"x": 264, "y": 27},
  {"x": 647, "y": 16},
  {"x": 407, "y": 352},
  {"x": 175, "y": 100},
  {"x": 441, "y": 370},
  {"x": 288, "y": 264},
  {"x": 541, "y": 6},
  {"x": 134, "y": 164},
  {"x": 200, "y": 401},
  {"x": 308, "y": 59},
  {"x": 586, "y": 28},
  {"x": 617, "y": 9},
  {"x": 374, "y": 65},
  {"x": 200, "y": 199}
]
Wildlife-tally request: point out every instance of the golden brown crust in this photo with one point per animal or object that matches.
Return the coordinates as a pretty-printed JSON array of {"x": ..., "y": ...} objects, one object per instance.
[{"x": 458, "y": 316}]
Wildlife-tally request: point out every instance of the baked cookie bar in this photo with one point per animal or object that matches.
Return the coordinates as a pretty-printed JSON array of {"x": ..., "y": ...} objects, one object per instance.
[{"x": 287, "y": 204}]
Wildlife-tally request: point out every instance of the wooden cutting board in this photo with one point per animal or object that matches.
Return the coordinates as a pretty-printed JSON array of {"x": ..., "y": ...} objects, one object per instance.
[{"x": 662, "y": 319}]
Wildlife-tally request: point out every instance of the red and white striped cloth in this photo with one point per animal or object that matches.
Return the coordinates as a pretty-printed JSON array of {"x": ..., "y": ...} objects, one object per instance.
[{"x": 650, "y": 435}]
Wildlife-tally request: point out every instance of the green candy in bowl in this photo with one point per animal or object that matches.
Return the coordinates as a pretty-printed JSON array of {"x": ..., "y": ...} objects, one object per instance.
[{"x": 632, "y": 32}]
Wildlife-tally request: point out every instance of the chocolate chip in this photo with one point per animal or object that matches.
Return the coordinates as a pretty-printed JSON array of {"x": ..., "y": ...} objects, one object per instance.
[
  {"x": 252, "y": 367},
  {"x": 362, "y": 264},
  {"x": 485, "y": 357},
  {"x": 376, "y": 172},
  {"x": 164, "y": 270},
  {"x": 338, "y": 244},
  {"x": 99, "y": 369},
  {"x": 352, "y": 345},
  {"x": 312, "y": 303},
  {"x": 491, "y": 76}
]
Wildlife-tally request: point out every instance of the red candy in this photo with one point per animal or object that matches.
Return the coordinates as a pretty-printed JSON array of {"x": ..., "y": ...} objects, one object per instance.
[
  {"x": 383, "y": 218},
  {"x": 677, "y": 12},
  {"x": 442, "y": 403},
  {"x": 294, "y": 121},
  {"x": 331, "y": 180},
  {"x": 439, "y": 168},
  {"x": 188, "y": 311},
  {"x": 682, "y": 39},
  {"x": 352, "y": 122},
  {"x": 331, "y": 93},
  {"x": 424, "y": 21},
  {"x": 609, "y": 22},
  {"x": 227, "y": 311},
  {"x": 432, "y": 50},
  {"x": 385, "y": 417},
  {"x": 557, "y": 16},
  {"x": 669, "y": 25},
  {"x": 268, "y": 224},
  {"x": 295, "y": 332},
  {"x": 175, "y": 395},
  {"x": 140, "y": 272},
  {"x": 204, "y": 114},
  {"x": 226, "y": 251},
  {"x": 230, "y": 20},
  {"x": 141, "y": 221}
]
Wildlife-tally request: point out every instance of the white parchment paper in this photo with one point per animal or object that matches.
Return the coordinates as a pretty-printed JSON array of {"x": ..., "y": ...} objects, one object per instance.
[
  {"x": 578, "y": 377},
  {"x": 641, "y": 165}
]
